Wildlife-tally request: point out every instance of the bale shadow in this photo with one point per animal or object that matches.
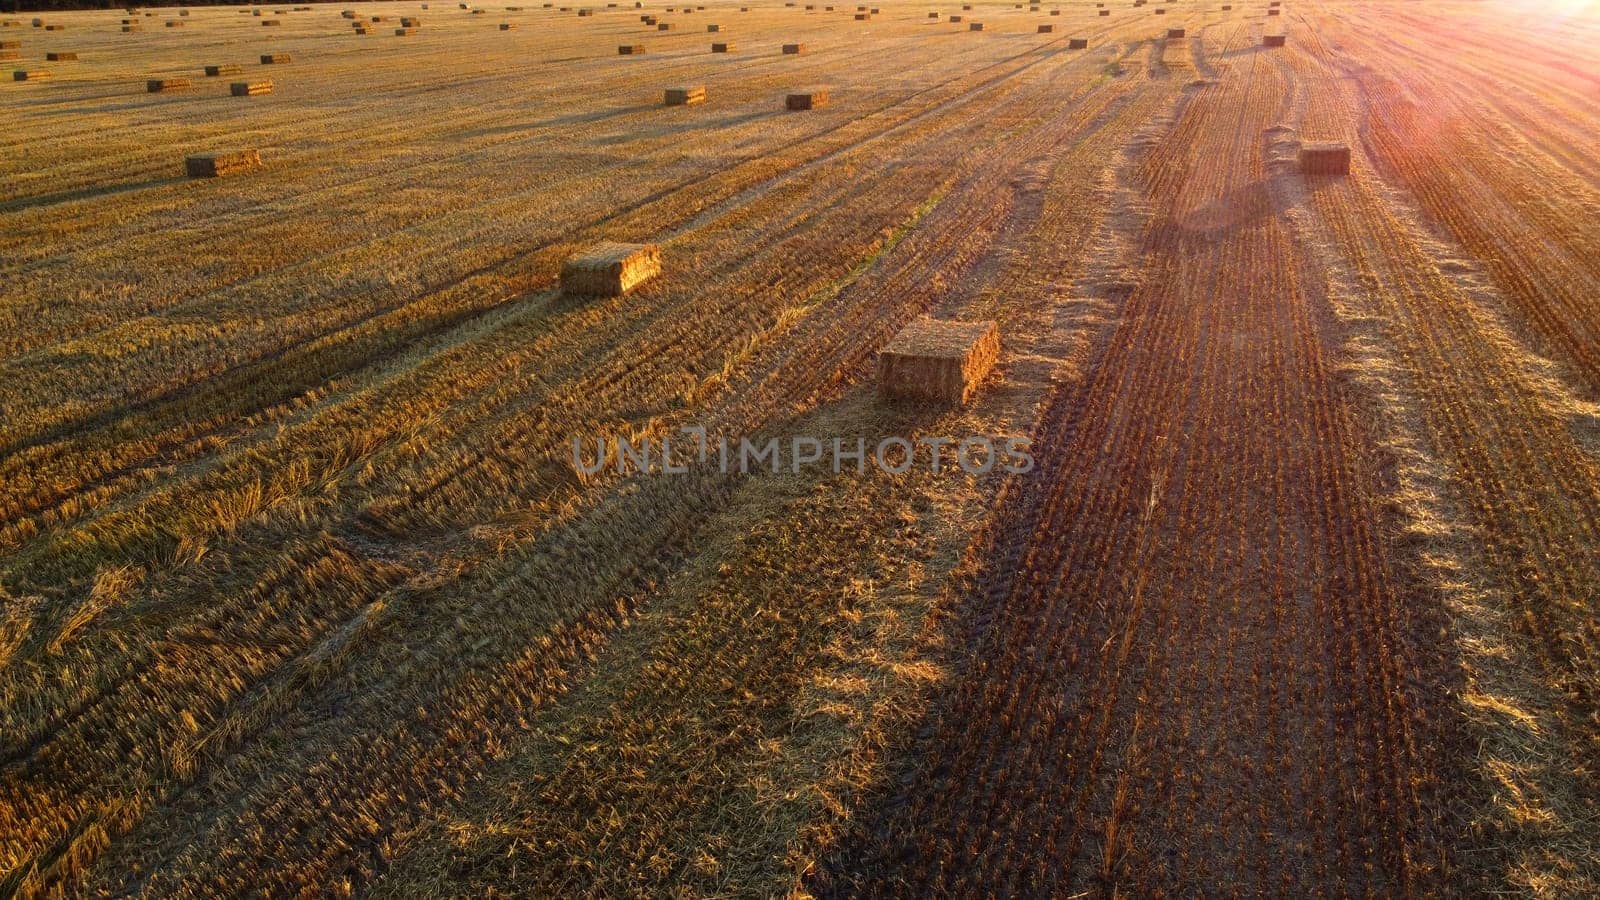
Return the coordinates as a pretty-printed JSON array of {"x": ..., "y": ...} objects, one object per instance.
[{"x": 44, "y": 200}]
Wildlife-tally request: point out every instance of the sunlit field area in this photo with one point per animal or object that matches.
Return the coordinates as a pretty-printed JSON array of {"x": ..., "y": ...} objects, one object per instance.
[{"x": 315, "y": 580}]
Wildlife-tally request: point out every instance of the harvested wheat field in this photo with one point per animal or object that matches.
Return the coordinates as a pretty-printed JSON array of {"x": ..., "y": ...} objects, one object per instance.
[{"x": 1223, "y": 519}]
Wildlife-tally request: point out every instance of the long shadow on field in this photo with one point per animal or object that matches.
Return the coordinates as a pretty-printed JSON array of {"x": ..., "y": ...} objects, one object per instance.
[
  {"x": 557, "y": 121},
  {"x": 42, "y": 200},
  {"x": 1241, "y": 208}
]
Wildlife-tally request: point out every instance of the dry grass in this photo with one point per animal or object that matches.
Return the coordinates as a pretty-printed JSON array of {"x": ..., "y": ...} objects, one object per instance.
[{"x": 301, "y": 592}]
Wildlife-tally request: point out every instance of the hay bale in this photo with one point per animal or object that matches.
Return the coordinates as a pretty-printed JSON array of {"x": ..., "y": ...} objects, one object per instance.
[
  {"x": 506, "y": 26},
  {"x": 811, "y": 99},
  {"x": 609, "y": 269},
  {"x": 685, "y": 96},
  {"x": 666, "y": 26},
  {"x": 862, "y": 17},
  {"x": 410, "y": 22},
  {"x": 630, "y": 50},
  {"x": 361, "y": 29},
  {"x": 1105, "y": 12},
  {"x": 274, "y": 59},
  {"x": 975, "y": 26},
  {"x": 64, "y": 28},
  {"x": 713, "y": 29},
  {"x": 933, "y": 15},
  {"x": 1227, "y": 7},
  {"x": 131, "y": 29},
  {"x": 30, "y": 75},
  {"x": 218, "y": 71},
  {"x": 1057, "y": 12},
  {"x": 174, "y": 23},
  {"x": 1047, "y": 29},
  {"x": 1078, "y": 44},
  {"x": 216, "y": 165},
  {"x": 161, "y": 85},
  {"x": 10, "y": 54},
  {"x": 723, "y": 47},
  {"x": 404, "y": 32},
  {"x": 794, "y": 49},
  {"x": 1325, "y": 158},
  {"x": 1174, "y": 33},
  {"x": 250, "y": 88},
  {"x": 1272, "y": 40},
  {"x": 938, "y": 361},
  {"x": 955, "y": 19},
  {"x": 10, "y": 45},
  {"x": 61, "y": 56},
  {"x": 1161, "y": 12},
  {"x": 348, "y": 14}
]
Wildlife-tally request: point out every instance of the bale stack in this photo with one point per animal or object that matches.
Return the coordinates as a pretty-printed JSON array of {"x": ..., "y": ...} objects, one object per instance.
[
  {"x": 1325, "y": 158},
  {"x": 685, "y": 96},
  {"x": 250, "y": 88},
  {"x": 812, "y": 99},
  {"x": 609, "y": 269},
  {"x": 219, "y": 164},
  {"x": 219, "y": 71},
  {"x": 938, "y": 361},
  {"x": 162, "y": 85}
]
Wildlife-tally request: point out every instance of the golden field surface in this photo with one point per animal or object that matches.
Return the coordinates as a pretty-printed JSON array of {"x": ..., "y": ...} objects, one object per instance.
[{"x": 301, "y": 593}]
